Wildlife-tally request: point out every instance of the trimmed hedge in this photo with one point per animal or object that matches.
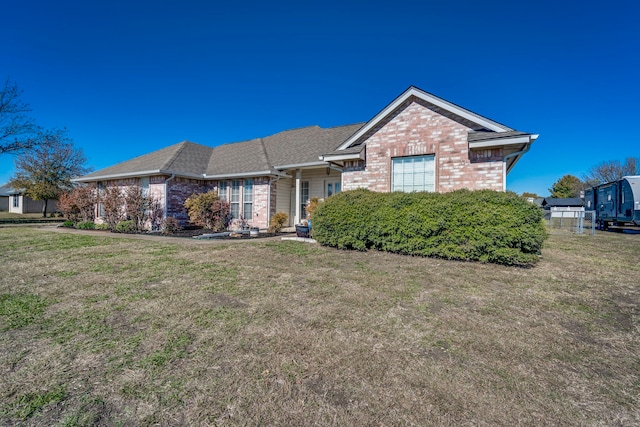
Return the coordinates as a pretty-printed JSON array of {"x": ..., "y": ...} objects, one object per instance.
[{"x": 486, "y": 226}]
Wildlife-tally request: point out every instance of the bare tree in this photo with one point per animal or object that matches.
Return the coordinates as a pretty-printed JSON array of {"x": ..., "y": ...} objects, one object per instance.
[
  {"x": 612, "y": 170},
  {"x": 44, "y": 172},
  {"x": 18, "y": 131},
  {"x": 111, "y": 200}
]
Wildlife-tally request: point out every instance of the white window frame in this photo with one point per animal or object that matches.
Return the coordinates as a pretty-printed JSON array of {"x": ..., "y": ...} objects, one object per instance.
[
  {"x": 413, "y": 173},
  {"x": 305, "y": 196},
  {"x": 332, "y": 187}
]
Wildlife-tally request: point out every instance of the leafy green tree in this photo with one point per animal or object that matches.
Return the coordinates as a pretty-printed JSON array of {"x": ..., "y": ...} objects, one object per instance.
[
  {"x": 612, "y": 170},
  {"x": 567, "y": 186},
  {"x": 45, "y": 172}
]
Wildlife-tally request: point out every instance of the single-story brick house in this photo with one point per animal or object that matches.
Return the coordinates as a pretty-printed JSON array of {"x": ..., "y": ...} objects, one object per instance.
[{"x": 418, "y": 142}]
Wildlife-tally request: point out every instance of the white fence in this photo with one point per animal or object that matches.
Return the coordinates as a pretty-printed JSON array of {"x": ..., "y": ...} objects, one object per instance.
[{"x": 571, "y": 221}]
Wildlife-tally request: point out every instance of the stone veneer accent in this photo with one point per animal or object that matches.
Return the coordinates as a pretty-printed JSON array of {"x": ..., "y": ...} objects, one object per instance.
[{"x": 414, "y": 129}]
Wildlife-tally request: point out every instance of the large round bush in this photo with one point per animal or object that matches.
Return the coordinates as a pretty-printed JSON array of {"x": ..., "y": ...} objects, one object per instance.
[{"x": 487, "y": 226}]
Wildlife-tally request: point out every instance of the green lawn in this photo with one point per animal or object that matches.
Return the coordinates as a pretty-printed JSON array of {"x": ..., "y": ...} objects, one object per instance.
[{"x": 102, "y": 330}]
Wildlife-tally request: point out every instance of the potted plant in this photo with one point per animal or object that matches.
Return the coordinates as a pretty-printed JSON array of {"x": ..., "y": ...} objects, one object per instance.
[{"x": 303, "y": 229}]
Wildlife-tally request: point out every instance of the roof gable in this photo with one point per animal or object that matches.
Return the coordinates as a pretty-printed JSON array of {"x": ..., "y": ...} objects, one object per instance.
[{"x": 466, "y": 117}]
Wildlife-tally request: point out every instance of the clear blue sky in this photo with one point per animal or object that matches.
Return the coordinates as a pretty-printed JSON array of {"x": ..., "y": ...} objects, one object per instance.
[{"x": 130, "y": 77}]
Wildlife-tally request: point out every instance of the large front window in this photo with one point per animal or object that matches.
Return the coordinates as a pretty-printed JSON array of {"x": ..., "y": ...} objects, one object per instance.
[
  {"x": 414, "y": 173},
  {"x": 235, "y": 199},
  {"x": 248, "y": 199}
]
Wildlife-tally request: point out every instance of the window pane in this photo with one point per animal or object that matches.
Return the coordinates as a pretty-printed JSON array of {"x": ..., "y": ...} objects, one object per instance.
[
  {"x": 304, "y": 198},
  {"x": 235, "y": 199},
  {"x": 222, "y": 190},
  {"x": 247, "y": 212}
]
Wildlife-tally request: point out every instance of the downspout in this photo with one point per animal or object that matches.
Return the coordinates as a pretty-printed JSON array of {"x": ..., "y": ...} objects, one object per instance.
[
  {"x": 166, "y": 194},
  {"x": 508, "y": 156}
]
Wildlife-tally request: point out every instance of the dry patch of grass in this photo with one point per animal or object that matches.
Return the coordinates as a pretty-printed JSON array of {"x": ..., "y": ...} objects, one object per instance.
[{"x": 110, "y": 330}]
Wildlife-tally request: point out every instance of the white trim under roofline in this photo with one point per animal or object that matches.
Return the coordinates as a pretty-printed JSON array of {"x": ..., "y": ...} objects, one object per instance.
[
  {"x": 432, "y": 99},
  {"x": 339, "y": 157},
  {"x": 502, "y": 141},
  {"x": 301, "y": 165},
  {"x": 133, "y": 175},
  {"x": 243, "y": 175}
]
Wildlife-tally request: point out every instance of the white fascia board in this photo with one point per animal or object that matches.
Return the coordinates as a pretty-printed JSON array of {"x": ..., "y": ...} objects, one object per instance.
[
  {"x": 240, "y": 175},
  {"x": 117, "y": 176},
  {"x": 136, "y": 174},
  {"x": 301, "y": 165},
  {"x": 501, "y": 141},
  {"x": 340, "y": 157},
  {"x": 432, "y": 99}
]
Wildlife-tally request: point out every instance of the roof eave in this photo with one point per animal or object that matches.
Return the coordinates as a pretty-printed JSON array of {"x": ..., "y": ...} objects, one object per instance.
[
  {"x": 301, "y": 165},
  {"x": 244, "y": 174},
  {"x": 341, "y": 157},
  {"x": 494, "y": 142},
  {"x": 134, "y": 175}
]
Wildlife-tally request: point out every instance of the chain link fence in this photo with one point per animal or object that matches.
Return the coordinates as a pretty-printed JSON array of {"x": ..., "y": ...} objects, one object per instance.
[{"x": 570, "y": 222}]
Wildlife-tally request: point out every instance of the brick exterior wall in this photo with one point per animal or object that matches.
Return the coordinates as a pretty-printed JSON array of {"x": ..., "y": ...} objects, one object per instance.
[
  {"x": 260, "y": 202},
  {"x": 413, "y": 130},
  {"x": 178, "y": 191}
]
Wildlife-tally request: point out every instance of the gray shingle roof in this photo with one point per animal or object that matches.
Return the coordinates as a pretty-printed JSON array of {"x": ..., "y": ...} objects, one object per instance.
[
  {"x": 306, "y": 145},
  {"x": 558, "y": 201},
  {"x": 238, "y": 158},
  {"x": 262, "y": 155},
  {"x": 185, "y": 158}
]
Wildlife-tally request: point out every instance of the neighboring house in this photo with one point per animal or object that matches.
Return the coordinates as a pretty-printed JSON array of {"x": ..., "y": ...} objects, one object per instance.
[
  {"x": 17, "y": 202},
  {"x": 562, "y": 207},
  {"x": 565, "y": 204},
  {"x": 419, "y": 142}
]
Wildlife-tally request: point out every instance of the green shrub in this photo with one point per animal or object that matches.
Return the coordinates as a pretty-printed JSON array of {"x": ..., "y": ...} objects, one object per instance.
[
  {"x": 486, "y": 226},
  {"x": 127, "y": 226},
  {"x": 102, "y": 226},
  {"x": 86, "y": 225},
  {"x": 68, "y": 223},
  {"x": 277, "y": 222}
]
